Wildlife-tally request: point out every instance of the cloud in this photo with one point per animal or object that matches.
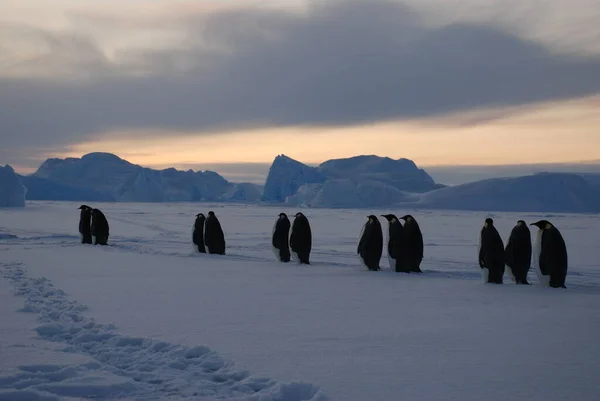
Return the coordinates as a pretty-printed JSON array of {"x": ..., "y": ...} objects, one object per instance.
[{"x": 334, "y": 64}]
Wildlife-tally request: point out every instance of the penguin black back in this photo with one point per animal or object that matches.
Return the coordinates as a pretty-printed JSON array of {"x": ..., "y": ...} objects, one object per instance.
[
  {"x": 301, "y": 239},
  {"x": 550, "y": 254},
  {"x": 214, "y": 239},
  {"x": 280, "y": 238},
  {"x": 518, "y": 252},
  {"x": 85, "y": 221},
  {"x": 198, "y": 233},
  {"x": 414, "y": 243},
  {"x": 396, "y": 245},
  {"x": 99, "y": 227},
  {"x": 491, "y": 252},
  {"x": 370, "y": 245}
]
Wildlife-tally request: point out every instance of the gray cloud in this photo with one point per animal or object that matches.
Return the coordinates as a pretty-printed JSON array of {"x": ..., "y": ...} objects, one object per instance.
[{"x": 339, "y": 64}]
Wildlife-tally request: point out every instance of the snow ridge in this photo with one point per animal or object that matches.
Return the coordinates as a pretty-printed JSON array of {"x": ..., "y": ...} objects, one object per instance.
[{"x": 147, "y": 369}]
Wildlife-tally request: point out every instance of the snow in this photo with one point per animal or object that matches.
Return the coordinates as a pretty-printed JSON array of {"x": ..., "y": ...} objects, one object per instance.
[
  {"x": 147, "y": 318},
  {"x": 12, "y": 191}
]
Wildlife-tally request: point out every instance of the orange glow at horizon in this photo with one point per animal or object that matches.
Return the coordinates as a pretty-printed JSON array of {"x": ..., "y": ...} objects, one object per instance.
[{"x": 551, "y": 133}]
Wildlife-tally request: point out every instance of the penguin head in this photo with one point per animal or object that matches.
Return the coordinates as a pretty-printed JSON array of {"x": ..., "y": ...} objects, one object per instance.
[
  {"x": 282, "y": 215},
  {"x": 488, "y": 222},
  {"x": 521, "y": 223},
  {"x": 407, "y": 217},
  {"x": 82, "y": 207},
  {"x": 211, "y": 213},
  {"x": 390, "y": 217},
  {"x": 200, "y": 215},
  {"x": 299, "y": 214},
  {"x": 542, "y": 224},
  {"x": 372, "y": 218}
]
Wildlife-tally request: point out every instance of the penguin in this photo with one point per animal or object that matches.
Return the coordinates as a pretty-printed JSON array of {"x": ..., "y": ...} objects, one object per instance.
[
  {"x": 550, "y": 255},
  {"x": 491, "y": 253},
  {"x": 85, "y": 220},
  {"x": 396, "y": 245},
  {"x": 301, "y": 239},
  {"x": 370, "y": 244},
  {"x": 198, "y": 233},
  {"x": 100, "y": 229},
  {"x": 414, "y": 243},
  {"x": 214, "y": 239},
  {"x": 280, "y": 238},
  {"x": 518, "y": 253}
]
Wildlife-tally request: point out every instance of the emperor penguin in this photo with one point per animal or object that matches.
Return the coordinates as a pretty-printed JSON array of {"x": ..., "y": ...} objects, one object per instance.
[
  {"x": 491, "y": 253},
  {"x": 301, "y": 239},
  {"x": 370, "y": 244},
  {"x": 214, "y": 239},
  {"x": 198, "y": 233},
  {"x": 280, "y": 238},
  {"x": 396, "y": 251},
  {"x": 518, "y": 253},
  {"x": 99, "y": 228},
  {"x": 550, "y": 259},
  {"x": 414, "y": 243},
  {"x": 85, "y": 221}
]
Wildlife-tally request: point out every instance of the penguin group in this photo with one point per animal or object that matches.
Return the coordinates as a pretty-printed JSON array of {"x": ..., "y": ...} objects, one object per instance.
[
  {"x": 404, "y": 244},
  {"x": 292, "y": 241},
  {"x": 548, "y": 254},
  {"x": 93, "y": 226},
  {"x": 207, "y": 234}
]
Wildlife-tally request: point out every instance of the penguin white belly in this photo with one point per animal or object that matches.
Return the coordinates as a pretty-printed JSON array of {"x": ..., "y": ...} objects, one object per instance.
[
  {"x": 510, "y": 274},
  {"x": 94, "y": 240},
  {"x": 275, "y": 250},
  {"x": 360, "y": 259},
  {"x": 485, "y": 273},
  {"x": 204, "y": 237},
  {"x": 293, "y": 255},
  {"x": 391, "y": 261},
  {"x": 194, "y": 246},
  {"x": 537, "y": 251}
]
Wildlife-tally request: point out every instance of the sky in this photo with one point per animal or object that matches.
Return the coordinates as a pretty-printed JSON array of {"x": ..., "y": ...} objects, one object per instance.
[{"x": 231, "y": 84}]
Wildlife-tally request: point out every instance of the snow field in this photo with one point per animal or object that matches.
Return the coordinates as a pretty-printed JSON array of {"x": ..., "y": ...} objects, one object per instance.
[{"x": 327, "y": 331}]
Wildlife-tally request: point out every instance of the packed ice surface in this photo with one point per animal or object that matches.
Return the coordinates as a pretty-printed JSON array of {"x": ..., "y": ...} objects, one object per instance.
[{"x": 146, "y": 318}]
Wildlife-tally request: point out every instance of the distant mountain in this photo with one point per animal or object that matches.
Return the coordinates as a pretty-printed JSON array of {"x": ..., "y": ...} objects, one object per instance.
[
  {"x": 360, "y": 181},
  {"x": 286, "y": 175},
  {"x": 12, "y": 191},
  {"x": 44, "y": 189},
  {"x": 542, "y": 192},
  {"x": 402, "y": 174},
  {"x": 355, "y": 182},
  {"x": 104, "y": 176}
]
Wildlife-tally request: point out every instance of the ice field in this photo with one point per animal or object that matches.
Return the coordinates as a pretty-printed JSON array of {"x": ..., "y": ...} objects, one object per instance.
[{"x": 146, "y": 318}]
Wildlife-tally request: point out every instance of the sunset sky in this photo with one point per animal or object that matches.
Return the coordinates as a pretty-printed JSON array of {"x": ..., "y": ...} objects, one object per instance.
[{"x": 233, "y": 83}]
